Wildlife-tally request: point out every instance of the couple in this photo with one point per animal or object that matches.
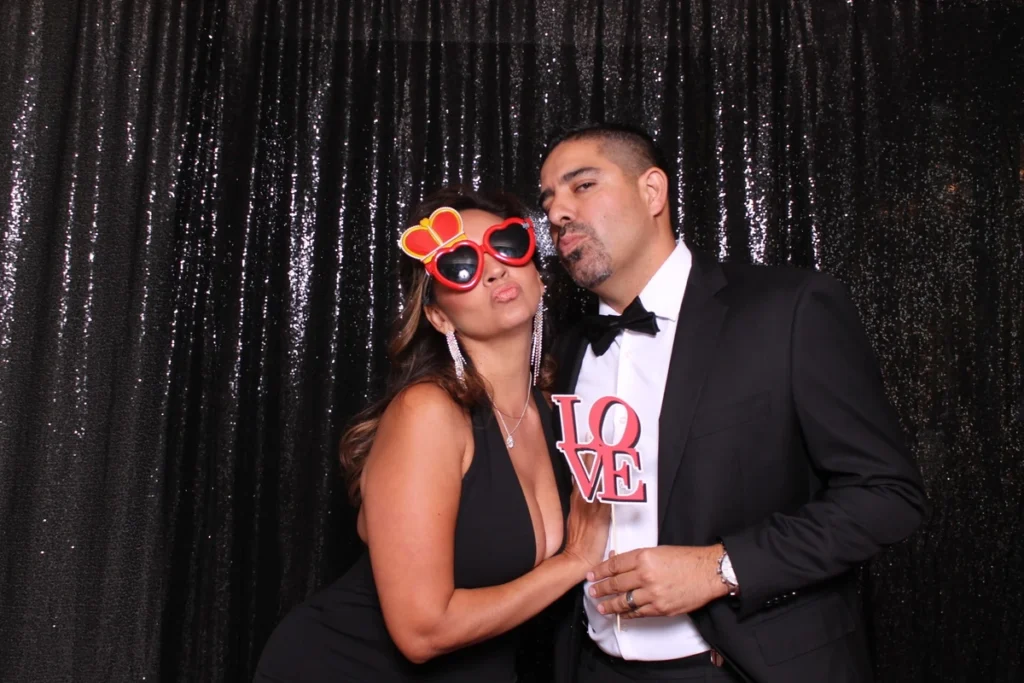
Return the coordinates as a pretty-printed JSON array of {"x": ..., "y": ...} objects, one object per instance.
[{"x": 772, "y": 463}]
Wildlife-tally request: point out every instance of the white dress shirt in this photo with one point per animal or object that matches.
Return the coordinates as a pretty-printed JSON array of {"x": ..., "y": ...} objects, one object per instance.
[{"x": 634, "y": 369}]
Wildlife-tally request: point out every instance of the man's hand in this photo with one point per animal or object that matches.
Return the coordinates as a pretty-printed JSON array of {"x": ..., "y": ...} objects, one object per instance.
[{"x": 666, "y": 580}]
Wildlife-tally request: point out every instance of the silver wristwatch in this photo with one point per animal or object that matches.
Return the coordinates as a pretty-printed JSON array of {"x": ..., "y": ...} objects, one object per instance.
[{"x": 728, "y": 574}]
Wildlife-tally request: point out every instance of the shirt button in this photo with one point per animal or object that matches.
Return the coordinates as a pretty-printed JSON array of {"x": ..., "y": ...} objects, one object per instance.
[{"x": 621, "y": 419}]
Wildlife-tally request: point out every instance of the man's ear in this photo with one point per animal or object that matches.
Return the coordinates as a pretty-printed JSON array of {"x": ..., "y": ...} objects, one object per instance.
[
  {"x": 654, "y": 189},
  {"x": 437, "y": 318}
]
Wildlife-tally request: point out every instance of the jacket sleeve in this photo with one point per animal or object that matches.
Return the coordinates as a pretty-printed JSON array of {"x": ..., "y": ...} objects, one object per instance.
[{"x": 872, "y": 494}]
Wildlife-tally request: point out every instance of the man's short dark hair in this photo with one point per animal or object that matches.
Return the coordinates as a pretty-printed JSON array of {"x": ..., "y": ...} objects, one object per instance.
[{"x": 628, "y": 146}]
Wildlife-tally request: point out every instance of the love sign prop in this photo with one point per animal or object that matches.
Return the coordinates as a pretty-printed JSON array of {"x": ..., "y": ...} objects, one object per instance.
[{"x": 605, "y": 479}]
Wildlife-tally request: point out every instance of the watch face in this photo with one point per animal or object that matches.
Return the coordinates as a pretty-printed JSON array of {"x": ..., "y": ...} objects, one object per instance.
[{"x": 727, "y": 570}]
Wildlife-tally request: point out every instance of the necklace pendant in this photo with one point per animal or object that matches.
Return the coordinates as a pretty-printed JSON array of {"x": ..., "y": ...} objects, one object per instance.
[{"x": 510, "y": 442}]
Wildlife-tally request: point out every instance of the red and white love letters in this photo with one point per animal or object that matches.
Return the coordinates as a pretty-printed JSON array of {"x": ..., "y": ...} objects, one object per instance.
[{"x": 605, "y": 479}]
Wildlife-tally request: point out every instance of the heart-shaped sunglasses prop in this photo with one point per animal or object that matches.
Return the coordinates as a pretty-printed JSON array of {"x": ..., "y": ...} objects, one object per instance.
[{"x": 456, "y": 261}]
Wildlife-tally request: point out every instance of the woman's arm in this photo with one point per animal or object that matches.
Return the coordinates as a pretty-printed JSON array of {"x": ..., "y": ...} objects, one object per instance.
[{"x": 411, "y": 488}]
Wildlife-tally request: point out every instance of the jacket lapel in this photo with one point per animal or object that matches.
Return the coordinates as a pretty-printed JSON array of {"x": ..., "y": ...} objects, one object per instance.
[
  {"x": 563, "y": 478},
  {"x": 700, "y": 320},
  {"x": 569, "y": 351},
  {"x": 570, "y": 359}
]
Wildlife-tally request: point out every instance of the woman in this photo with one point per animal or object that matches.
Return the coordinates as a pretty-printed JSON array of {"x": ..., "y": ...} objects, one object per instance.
[{"x": 453, "y": 472}]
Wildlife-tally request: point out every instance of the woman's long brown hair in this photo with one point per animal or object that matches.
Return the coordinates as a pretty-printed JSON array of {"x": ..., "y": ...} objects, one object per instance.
[{"x": 417, "y": 352}]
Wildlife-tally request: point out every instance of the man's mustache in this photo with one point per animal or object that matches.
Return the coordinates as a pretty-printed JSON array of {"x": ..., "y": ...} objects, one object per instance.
[{"x": 569, "y": 229}]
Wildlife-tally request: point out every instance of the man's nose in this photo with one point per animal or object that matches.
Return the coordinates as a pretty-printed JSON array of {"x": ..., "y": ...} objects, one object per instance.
[{"x": 560, "y": 212}]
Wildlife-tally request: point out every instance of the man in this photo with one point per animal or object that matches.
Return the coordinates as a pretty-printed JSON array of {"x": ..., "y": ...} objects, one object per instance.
[{"x": 774, "y": 464}]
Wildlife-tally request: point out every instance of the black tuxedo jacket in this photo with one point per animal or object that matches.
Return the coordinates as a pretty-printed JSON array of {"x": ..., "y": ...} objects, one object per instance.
[{"x": 775, "y": 438}]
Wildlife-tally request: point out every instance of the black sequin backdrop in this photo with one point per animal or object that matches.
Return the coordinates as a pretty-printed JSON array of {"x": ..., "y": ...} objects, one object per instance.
[{"x": 199, "y": 206}]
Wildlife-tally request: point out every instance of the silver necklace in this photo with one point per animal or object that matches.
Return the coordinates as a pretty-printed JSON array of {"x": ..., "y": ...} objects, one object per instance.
[{"x": 509, "y": 441}]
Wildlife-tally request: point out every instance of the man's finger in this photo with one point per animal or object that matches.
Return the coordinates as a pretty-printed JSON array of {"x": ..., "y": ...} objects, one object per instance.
[
  {"x": 640, "y": 612},
  {"x": 620, "y": 583},
  {"x": 613, "y": 565},
  {"x": 618, "y": 604}
]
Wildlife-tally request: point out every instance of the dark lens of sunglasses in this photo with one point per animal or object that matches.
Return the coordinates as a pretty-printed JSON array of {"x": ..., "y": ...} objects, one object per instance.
[
  {"x": 513, "y": 241},
  {"x": 458, "y": 266}
]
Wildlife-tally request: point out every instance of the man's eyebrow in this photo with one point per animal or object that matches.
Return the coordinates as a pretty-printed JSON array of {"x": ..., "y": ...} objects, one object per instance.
[{"x": 566, "y": 177}]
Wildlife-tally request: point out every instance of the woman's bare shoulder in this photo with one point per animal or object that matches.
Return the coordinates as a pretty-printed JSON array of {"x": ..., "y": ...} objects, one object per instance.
[{"x": 424, "y": 410}]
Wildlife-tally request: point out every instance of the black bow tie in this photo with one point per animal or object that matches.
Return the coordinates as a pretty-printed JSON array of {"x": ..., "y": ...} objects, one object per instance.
[{"x": 601, "y": 330}]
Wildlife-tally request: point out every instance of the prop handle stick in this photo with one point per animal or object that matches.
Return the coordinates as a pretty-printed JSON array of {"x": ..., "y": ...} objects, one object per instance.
[{"x": 615, "y": 547}]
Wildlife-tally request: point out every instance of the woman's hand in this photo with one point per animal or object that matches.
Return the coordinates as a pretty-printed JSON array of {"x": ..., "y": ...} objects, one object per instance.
[{"x": 586, "y": 534}]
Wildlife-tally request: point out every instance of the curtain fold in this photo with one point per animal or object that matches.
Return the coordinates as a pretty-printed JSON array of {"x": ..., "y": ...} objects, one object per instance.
[{"x": 199, "y": 211}]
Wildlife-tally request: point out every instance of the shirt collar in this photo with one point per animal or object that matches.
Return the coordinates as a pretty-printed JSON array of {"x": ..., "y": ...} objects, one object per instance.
[{"x": 663, "y": 294}]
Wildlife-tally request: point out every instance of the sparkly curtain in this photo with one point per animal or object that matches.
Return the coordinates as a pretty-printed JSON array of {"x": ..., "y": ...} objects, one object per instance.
[{"x": 199, "y": 206}]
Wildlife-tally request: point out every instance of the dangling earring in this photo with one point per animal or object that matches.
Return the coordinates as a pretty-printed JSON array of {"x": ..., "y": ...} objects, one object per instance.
[
  {"x": 538, "y": 341},
  {"x": 453, "y": 348}
]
